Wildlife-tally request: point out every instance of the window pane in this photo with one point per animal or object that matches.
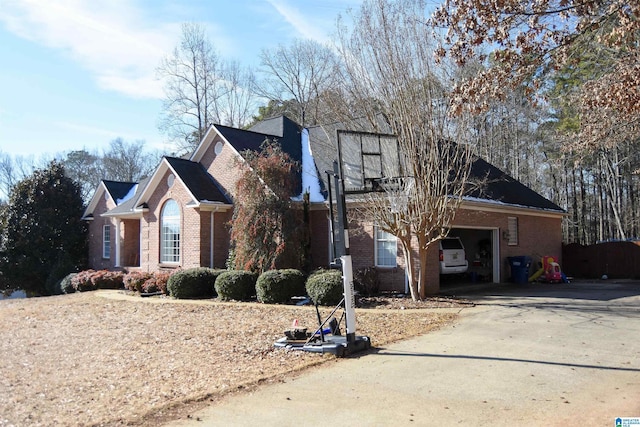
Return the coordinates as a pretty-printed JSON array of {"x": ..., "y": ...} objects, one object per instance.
[
  {"x": 386, "y": 249},
  {"x": 106, "y": 241},
  {"x": 170, "y": 233}
]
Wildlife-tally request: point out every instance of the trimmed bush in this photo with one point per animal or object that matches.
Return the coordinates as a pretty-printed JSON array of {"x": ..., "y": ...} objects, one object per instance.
[
  {"x": 81, "y": 282},
  {"x": 236, "y": 285},
  {"x": 193, "y": 283},
  {"x": 325, "y": 287},
  {"x": 278, "y": 286},
  {"x": 66, "y": 284},
  {"x": 366, "y": 281},
  {"x": 104, "y": 279},
  {"x": 134, "y": 280},
  {"x": 157, "y": 282}
]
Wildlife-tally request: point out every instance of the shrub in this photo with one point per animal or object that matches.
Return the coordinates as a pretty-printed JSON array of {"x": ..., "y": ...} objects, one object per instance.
[
  {"x": 81, "y": 282},
  {"x": 157, "y": 282},
  {"x": 66, "y": 284},
  {"x": 134, "y": 280},
  {"x": 236, "y": 285},
  {"x": 193, "y": 283},
  {"x": 325, "y": 287},
  {"x": 104, "y": 279},
  {"x": 278, "y": 286},
  {"x": 366, "y": 281}
]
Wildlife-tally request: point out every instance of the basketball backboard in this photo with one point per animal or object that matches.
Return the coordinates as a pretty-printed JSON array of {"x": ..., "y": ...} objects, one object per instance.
[{"x": 366, "y": 159}]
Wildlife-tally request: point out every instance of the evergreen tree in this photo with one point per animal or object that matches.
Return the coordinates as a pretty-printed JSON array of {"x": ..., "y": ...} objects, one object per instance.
[{"x": 44, "y": 237}]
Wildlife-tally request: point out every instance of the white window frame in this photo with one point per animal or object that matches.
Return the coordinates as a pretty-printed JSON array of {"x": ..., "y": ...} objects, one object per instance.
[
  {"x": 170, "y": 233},
  {"x": 386, "y": 238},
  {"x": 106, "y": 241},
  {"x": 512, "y": 233}
]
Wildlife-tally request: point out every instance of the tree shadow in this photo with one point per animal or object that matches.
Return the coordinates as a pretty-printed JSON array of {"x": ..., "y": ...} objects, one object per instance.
[{"x": 383, "y": 352}]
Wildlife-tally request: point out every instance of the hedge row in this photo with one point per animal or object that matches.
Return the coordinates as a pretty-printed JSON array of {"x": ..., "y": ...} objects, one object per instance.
[
  {"x": 90, "y": 280},
  {"x": 272, "y": 287}
]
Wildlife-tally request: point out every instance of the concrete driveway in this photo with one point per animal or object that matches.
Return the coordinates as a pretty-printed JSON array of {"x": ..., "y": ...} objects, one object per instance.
[{"x": 564, "y": 355}]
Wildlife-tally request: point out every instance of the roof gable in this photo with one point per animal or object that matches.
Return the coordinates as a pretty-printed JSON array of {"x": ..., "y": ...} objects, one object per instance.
[
  {"x": 118, "y": 190},
  {"x": 115, "y": 190},
  {"x": 197, "y": 180},
  {"x": 199, "y": 184}
]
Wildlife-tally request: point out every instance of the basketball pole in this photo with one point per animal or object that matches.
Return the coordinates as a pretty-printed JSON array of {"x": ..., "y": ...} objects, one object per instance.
[{"x": 347, "y": 265}]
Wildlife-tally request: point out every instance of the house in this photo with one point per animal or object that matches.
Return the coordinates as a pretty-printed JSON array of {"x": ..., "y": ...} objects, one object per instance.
[{"x": 179, "y": 217}]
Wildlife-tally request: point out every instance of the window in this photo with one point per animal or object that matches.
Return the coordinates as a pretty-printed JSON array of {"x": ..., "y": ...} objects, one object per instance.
[
  {"x": 106, "y": 241},
  {"x": 170, "y": 232},
  {"x": 512, "y": 233},
  {"x": 386, "y": 249}
]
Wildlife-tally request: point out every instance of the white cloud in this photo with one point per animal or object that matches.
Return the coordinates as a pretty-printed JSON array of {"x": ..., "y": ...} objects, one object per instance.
[
  {"x": 88, "y": 130},
  {"x": 304, "y": 25},
  {"x": 110, "y": 38}
]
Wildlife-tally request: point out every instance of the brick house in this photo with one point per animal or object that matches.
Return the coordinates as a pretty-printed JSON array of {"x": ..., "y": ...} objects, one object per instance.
[{"x": 179, "y": 217}]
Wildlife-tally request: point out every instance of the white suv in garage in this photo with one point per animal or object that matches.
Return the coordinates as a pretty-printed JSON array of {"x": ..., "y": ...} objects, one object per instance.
[{"x": 453, "y": 259}]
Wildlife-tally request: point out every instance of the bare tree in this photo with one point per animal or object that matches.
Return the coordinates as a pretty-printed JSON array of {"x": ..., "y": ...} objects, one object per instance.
[
  {"x": 128, "y": 161},
  {"x": 16, "y": 168},
  {"x": 301, "y": 71},
  {"x": 193, "y": 85},
  {"x": 238, "y": 101},
  {"x": 388, "y": 70},
  {"x": 84, "y": 168}
]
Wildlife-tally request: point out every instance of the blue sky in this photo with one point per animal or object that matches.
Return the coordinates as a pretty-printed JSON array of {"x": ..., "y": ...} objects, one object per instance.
[{"x": 79, "y": 73}]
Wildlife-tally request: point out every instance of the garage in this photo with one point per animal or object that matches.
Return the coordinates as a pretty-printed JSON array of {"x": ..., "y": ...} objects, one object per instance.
[{"x": 483, "y": 255}]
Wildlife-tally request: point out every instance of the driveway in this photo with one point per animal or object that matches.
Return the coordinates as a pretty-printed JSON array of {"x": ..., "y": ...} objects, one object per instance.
[{"x": 541, "y": 354}]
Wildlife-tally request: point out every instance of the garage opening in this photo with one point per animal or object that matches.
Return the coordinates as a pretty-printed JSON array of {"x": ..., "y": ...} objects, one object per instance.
[{"x": 483, "y": 255}]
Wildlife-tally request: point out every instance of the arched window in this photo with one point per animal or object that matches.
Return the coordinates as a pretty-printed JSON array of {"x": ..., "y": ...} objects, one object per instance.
[{"x": 170, "y": 232}]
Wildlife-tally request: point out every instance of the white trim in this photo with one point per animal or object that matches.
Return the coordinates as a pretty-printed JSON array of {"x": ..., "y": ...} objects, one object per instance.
[
  {"x": 509, "y": 209},
  {"x": 375, "y": 248},
  {"x": 118, "y": 263},
  {"x": 95, "y": 199},
  {"x": 495, "y": 247},
  {"x": 201, "y": 148},
  {"x": 104, "y": 241},
  {"x": 211, "y": 241}
]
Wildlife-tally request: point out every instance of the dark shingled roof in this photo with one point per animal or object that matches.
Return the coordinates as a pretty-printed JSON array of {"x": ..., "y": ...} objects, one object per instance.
[
  {"x": 243, "y": 140},
  {"x": 197, "y": 180},
  {"x": 281, "y": 129},
  {"x": 118, "y": 189},
  {"x": 503, "y": 188},
  {"x": 130, "y": 204}
]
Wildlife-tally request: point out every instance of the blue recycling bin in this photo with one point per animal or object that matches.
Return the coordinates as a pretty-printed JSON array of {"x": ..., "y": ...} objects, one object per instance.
[{"x": 520, "y": 268}]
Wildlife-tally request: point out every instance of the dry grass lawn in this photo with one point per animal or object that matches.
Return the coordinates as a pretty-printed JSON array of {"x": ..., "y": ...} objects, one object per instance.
[{"x": 105, "y": 358}]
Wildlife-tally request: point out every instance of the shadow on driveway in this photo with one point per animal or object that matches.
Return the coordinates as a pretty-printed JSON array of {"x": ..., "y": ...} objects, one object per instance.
[{"x": 382, "y": 351}]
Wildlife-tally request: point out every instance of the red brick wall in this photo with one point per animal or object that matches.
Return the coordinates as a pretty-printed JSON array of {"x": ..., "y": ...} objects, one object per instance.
[
  {"x": 96, "y": 261},
  {"x": 537, "y": 235},
  {"x": 220, "y": 235},
  {"x": 225, "y": 169},
  {"x": 189, "y": 230}
]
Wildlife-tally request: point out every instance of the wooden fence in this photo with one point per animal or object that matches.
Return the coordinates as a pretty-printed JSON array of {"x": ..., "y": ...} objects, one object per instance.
[{"x": 618, "y": 260}]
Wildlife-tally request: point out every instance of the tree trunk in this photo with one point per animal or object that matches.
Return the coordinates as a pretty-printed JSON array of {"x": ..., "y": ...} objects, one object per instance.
[{"x": 409, "y": 265}]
